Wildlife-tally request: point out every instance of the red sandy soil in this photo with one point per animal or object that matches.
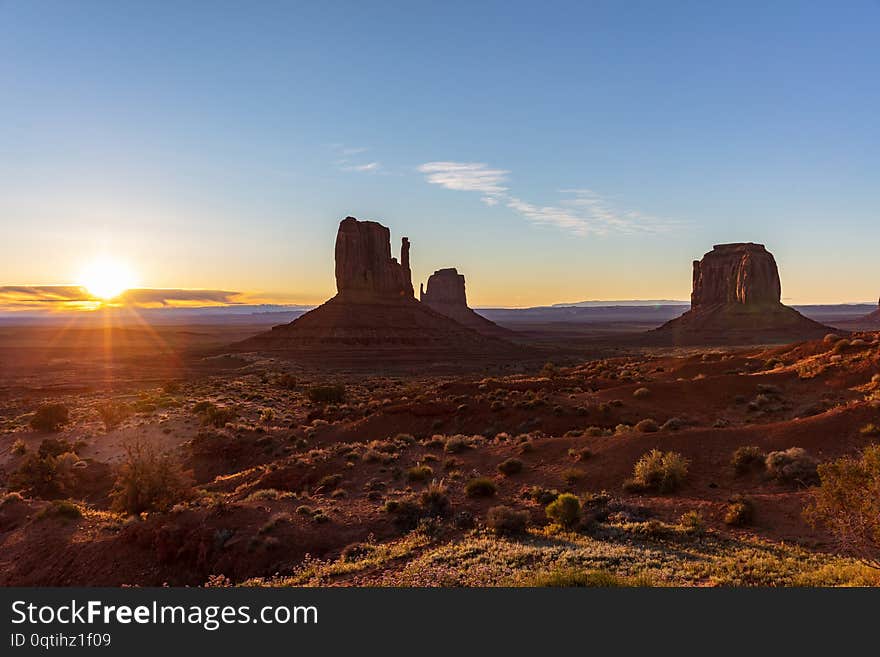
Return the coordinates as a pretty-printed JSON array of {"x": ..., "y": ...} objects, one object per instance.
[{"x": 819, "y": 397}]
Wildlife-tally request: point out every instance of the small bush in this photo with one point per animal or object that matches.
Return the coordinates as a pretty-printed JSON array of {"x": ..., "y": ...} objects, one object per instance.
[
  {"x": 572, "y": 475},
  {"x": 747, "y": 458},
  {"x": 47, "y": 473},
  {"x": 329, "y": 482},
  {"x": 565, "y": 510},
  {"x": 647, "y": 426},
  {"x": 148, "y": 481},
  {"x": 510, "y": 467},
  {"x": 870, "y": 430},
  {"x": 542, "y": 496},
  {"x": 19, "y": 447},
  {"x": 219, "y": 416},
  {"x": 420, "y": 473},
  {"x": 113, "y": 414},
  {"x": 434, "y": 501},
  {"x": 503, "y": 520},
  {"x": 60, "y": 509},
  {"x": 580, "y": 453},
  {"x": 407, "y": 512},
  {"x": 847, "y": 503},
  {"x": 456, "y": 444},
  {"x": 50, "y": 417},
  {"x": 202, "y": 407},
  {"x": 740, "y": 511},
  {"x": 692, "y": 522},
  {"x": 642, "y": 393},
  {"x": 286, "y": 381},
  {"x": 793, "y": 466},
  {"x": 54, "y": 447},
  {"x": 480, "y": 487},
  {"x": 663, "y": 472},
  {"x": 327, "y": 394}
]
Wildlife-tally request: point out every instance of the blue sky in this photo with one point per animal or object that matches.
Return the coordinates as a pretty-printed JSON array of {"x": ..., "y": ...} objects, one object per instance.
[{"x": 552, "y": 151}]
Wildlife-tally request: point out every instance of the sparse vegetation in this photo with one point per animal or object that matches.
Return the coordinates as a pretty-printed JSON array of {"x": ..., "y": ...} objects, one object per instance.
[
  {"x": 746, "y": 458},
  {"x": 50, "y": 417},
  {"x": 480, "y": 487},
  {"x": 510, "y": 467},
  {"x": 647, "y": 426},
  {"x": 148, "y": 481},
  {"x": 793, "y": 466},
  {"x": 740, "y": 511},
  {"x": 420, "y": 473},
  {"x": 574, "y": 577},
  {"x": 113, "y": 414},
  {"x": 662, "y": 472},
  {"x": 565, "y": 510},
  {"x": 847, "y": 502},
  {"x": 505, "y": 521},
  {"x": 327, "y": 394}
]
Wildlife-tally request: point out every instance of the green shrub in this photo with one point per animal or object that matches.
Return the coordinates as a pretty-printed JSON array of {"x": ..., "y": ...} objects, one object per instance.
[
  {"x": 740, "y": 511},
  {"x": 327, "y": 394},
  {"x": 219, "y": 416},
  {"x": 572, "y": 475},
  {"x": 406, "y": 511},
  {"x": 202, "y": 407},
  {"x": 148, "y": 481},
  {"x": 847, "y": 503},
  {"x": 510, "y": 467},
  {"x": 434, "y": 501},
  {"x": 286, "y": 381},
  {"x": 747, "y": 458},
  {"x": 60, "y": 509},
  {"x": 420, "y": 473},
  {"x": 113, "y": 414},
  {"x": 647, "y": 426},
  {"x": 50, "y": 417},
  {"x": 565, "y": 510},
  {"x": 480, "y": 487},
  {"x": 54, "y": 447},
  {"x": 503, "y": 520},
  {"x": 46, "y": 474},
  {"x": 663, "y": 472},
  {"x": 692, "y": 522},
  {"x": 329, "y": 482},
  {"x": 456, "y": 444},
  {"x": 793, "y": 466},
  {"x": 542, "y": 496},
  {"x": 580, "y": 453}
]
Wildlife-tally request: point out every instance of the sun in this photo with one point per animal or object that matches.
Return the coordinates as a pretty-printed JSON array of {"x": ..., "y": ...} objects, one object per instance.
[{"x": 106, "y": 278}]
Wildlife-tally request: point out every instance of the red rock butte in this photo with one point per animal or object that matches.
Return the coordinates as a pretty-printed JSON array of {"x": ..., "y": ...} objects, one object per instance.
[
  {"x": 737, "y": 298},
  {"x": 445, "y": 293},
  {"x": 374, "y": 308}
]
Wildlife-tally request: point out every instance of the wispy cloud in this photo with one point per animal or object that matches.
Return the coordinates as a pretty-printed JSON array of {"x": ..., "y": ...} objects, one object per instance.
[
  {"x": 466, "y": 177},
  {"x": 369, "y": 167},
  {"x": 348, "y": 162},
  {"x": 580, "y": 211}
]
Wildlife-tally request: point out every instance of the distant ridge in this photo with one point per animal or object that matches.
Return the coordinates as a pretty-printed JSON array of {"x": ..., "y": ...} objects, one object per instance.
[{"x": 621, "y": 302}]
